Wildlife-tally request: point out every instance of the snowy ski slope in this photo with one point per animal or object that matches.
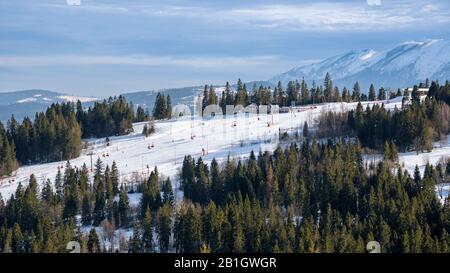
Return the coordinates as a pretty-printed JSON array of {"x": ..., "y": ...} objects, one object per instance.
[{"x": 136, "y": 155}]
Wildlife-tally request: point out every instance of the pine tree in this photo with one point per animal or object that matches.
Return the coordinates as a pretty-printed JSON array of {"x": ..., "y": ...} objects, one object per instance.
[
  {"x": 164, "y": 227},
  {"x": 241, "y": 97},
  {"x": 387, "y": 151},
  {"x": 93, "y": 242},
  {"x": 108, "y": 187},
  {"x": 59, "y": 184},
  {"x": 151, "y": 195},
  {"x": 160, "y": 108},
  {"x": 305, "y": 130},
  {"x": 223, "y": 102},
  {"x": 415, "y": 95},
  {"x": 212, "y": 100},
  {"x": 356, "y": 95},
  {"x": 47, "y": 194},
  {"x": 140, "y": 114},
  {"x": 167, "y": 193},
  {"x": 18, "y": 240},
  {"x": 136, "y": 245},
  {"x": 147, "y": 231},
  {"x": 381, "y": 94},
  {"x": 394, "y": 152},
  {"x": 217, "y": 187},
  {"x": 205, "y": 98},
  {"x": 8, "y": 161},
  {"x": 238, "y": 237},
  {"x": 124, "y": 208},
  {"x": 99, "y": 193},
  {"x": 328, "y": 87},
  {"x": 269, "y": 186},
  {"x": 371, "y": 92},
  {"x": 30, "y": 209},
  {"x": 114, "y": 176},
  {"x": 168, "y": 107},
  {"x": 86, "y": 214}
]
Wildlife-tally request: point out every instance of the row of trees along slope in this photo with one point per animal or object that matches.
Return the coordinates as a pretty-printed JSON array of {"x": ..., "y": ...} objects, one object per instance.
[
  {"x": 296, "y": 92},
  {"x": 420, "y": 122},
  {"x": 56, "y": 133},
  {"x": 316, "y": 197}
]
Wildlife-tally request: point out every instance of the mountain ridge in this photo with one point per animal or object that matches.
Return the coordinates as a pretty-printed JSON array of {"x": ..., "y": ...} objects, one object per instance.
[{"x": 407, "y": 63}]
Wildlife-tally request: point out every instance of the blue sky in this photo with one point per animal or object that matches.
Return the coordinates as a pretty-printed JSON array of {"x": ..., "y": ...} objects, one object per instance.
[{"x": 105, "y": 47}]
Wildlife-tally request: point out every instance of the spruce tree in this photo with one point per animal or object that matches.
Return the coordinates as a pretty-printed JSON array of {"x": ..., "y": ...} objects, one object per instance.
[
  {"x": 167, "y": 193},
  {"x": 328, "y": 88},
  {"x": 124, "y": 208},
  {"x": 305, "y": 130},
  {"x": 168, "y": 107},
  {"x": 147, "y": 231},
  {"x": 415, "y": 95},
  {"x": 136, "y": 245},
  {"x": 140, "y": 114},
  {"x": 164, "y": 227},
  {"x": 371, "y": 92},
  {"x": 387, "y": 151},
  {"x": 99, "y": 212},
  {"x": 86, "y": 214},
  {"x": 93, "y": 242},
  {"x": 114, "y": 176},
  {"x": 160, "y": 108},
  {"x": 356, "y": 95}
]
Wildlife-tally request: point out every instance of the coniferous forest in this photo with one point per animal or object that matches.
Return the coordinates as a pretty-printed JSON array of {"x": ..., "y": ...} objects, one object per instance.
[
  {"x": 308, "y": 198},
  {"x": 225, "y": 135},
  {"x": 56, "y": 134},
  {"x": 315, "y": 195}
]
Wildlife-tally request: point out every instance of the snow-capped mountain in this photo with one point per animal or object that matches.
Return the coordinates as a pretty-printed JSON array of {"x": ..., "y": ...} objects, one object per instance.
[{"x": 404, "y": 65}]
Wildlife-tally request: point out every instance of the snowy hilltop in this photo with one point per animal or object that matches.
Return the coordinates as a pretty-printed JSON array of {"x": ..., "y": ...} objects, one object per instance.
[{"x": 408, "y": 63}]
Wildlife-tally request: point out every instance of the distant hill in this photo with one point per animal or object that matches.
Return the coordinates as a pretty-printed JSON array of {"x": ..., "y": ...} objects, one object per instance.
[
  {"x": 404, "y": 65},
  {"x": 28, "y": 102}
]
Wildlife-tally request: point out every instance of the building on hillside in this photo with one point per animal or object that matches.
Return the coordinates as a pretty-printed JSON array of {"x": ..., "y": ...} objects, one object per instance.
[{"x": 422, "y": 91}]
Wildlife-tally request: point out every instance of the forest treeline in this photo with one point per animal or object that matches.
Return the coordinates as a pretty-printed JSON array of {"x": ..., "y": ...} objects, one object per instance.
[
  {"x": 308, "y": 198},
  {"x": 56, "y": 133},
  {"x": 414, "y": 127},
  {"x": 295, "y": 93}
]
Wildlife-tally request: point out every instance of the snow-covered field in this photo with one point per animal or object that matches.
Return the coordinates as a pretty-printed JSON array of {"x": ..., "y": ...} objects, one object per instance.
[
  {"x": 440, "y": 153},
  {"x": 411, "y": 159},
  {"x": 408, "y": 161},
  {"x": 136, "y": 155}
]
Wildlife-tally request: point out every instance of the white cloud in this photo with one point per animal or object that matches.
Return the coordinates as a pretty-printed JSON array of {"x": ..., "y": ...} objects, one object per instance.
[
  {"x": 320, "y": 17},
  {"x": 430, "y": 8},
  {"x": 374, "y": 2},
  {"x": 142, "y": 60},
  {"x": 73, "y": 2},
  {"x": 306, "y": 16}
]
